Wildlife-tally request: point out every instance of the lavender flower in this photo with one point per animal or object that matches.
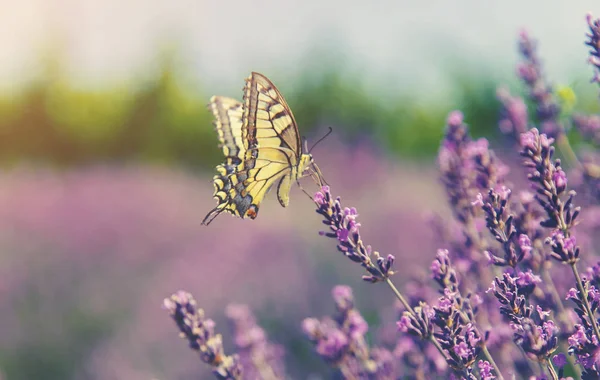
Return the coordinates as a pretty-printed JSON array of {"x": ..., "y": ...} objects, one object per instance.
[
  {"x": 594, "y": 43},
  {"x": 532, "y": 332},
  {"x": 516, "y": 328},
  {"x": 513, "y": 118},
  {"x": 419, "y": 323},
  {"x": 485, "y": 370},
  {"x": 259, "y": 358},
  {"x": 466, "y": 167},
  {"x": 200, "y": 334},
  {"x": 531, "y": 73},
  {"x": 419, "y": 358},
  {"x": 455, "y": 317},
  {"x": 344, "y": 227},
  {"x": 549, "y": 180},
  {"x": 340, "y": 341},
  {"x": 500, "y": 223},
  {"x": 584, "y": 343},
  {"x": 588, "y": 126}
]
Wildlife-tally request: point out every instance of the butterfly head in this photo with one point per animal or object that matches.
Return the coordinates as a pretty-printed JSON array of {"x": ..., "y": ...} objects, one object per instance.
[{"x": 306, "y": 160}]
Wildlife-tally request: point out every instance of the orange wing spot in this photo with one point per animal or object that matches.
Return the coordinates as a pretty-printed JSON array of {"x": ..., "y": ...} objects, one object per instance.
[{"x": 251, "y": 213}]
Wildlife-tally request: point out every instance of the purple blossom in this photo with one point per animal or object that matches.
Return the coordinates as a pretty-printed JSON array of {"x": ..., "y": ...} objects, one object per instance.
[
  {"x": 531, "y": 73},
  {"x": 563, "y": 249},
  {"x": 200, "y": 334},
  {"x": 462, "y": 350},
  {"x": 549, "y": 180},
  {"x": 500, "y": 222},
  {"x": 560, "y": 180},
  {"x": 514, "y": 119},
  {"x": 404, "y": 323},
  {"x": 559, "y": 360},
  {"x": 588, "y": 126},
  {"x": 526, "y": 279},
  {"x": 345, "y": 229},
  {"x": 485, "y": 370},
  {"x": 573, "y": 293},
  {"x": 259, "y": 357},
  {"x": 339, "y": 340},
  {"x": 332, "y": 344},
  {"x": 342, "y": 295},
  {"x": 594, "y": 43},
  {"x": 525, "y": 244},
  {"x": 419, "y": 323},
  {"x": 525, "y": 320}
]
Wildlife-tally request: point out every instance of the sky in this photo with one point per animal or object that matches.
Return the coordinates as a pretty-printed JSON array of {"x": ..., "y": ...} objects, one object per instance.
[{"x": 386, "y": 43}]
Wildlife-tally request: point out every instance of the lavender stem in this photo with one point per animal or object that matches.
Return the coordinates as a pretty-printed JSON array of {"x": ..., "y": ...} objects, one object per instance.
[
  {"x": 551, "y": 370},
  {"x": 411, "y": 311},
  {"x": 490, "y": 359},
  {"x": 584, "y": 297}
]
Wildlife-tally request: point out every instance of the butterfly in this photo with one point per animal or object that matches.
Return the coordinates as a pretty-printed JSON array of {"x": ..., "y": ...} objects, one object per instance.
[{"x": 262, "y": 147}]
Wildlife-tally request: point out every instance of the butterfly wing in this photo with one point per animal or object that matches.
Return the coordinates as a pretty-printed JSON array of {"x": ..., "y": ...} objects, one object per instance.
[
  {"x": 270, "y": 151},
  {"x": 228, "y": 115},
  {"x": 271, "y": 138},
  {"x": 268, "y": 118}
]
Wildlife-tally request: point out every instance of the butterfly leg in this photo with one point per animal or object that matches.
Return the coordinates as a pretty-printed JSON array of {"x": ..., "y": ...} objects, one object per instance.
[{"x": 304, "y": 191}]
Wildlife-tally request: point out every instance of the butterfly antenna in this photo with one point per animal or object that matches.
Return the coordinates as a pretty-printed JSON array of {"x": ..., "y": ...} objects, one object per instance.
[{"x": 321, "y": 139}]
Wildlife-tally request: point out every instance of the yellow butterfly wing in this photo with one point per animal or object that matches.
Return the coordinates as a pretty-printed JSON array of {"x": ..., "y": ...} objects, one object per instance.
[
  {"x": 228, "y": 115},
  {"x": 228, "y": 123},
  {"x": 271, "y": 149},
  {"x": 272, "y": 140}
]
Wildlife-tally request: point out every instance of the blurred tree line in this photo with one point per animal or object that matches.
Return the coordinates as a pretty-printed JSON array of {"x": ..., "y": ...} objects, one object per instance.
[{"x": 54, "y": 122}]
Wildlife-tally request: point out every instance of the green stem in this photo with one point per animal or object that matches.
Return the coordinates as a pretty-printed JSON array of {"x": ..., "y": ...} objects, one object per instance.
[
  {"x": 551, "y": 370},
  {"x": 490, "y": 359},
  {"x": 586, "y": 304},
  {"x": 411, "y": 310}
]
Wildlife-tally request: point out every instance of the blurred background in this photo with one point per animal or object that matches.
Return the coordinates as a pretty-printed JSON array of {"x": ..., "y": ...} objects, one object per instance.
[{"x": 108, "y": 150}]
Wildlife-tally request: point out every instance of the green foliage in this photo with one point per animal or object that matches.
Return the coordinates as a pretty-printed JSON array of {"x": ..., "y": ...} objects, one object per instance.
[{"x": 54, "y": 122}]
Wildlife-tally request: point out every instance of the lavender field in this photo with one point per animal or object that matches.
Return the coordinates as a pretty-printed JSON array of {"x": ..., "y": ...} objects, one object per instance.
[
  {"x": 90, "y": 253},
  {"x": 456, "y": 236}
]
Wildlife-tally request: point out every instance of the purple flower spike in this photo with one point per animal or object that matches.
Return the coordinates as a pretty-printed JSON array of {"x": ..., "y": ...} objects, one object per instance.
[
  {"x": 199, "y": 332},
  {"x": 256, "y": 354},
  {"x": 467, "y": 168},
  {"x": 455, "y": 119},
  {"x": 342, "y": 295},
  {"x": 525, "y": 244},
  {"x": 345, "y": 229},
  {"x": 560, "y": 360},
  {"x": 549, "y": 181},
  {"x": 531, "y": 73},
  {"x": 340, "y": 341},
  {"x": 560, "y": 180},
  {"x": 485, "y": 370},
  {"x": 594, "y": 43},
  {"x": 514, "y": 119},
  {"x": 588, "y": 126}
]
